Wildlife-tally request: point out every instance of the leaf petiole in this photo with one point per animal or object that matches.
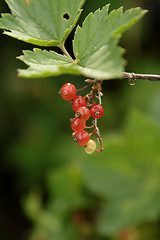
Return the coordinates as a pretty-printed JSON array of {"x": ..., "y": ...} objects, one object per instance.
[{"x": 62, "y": 47}]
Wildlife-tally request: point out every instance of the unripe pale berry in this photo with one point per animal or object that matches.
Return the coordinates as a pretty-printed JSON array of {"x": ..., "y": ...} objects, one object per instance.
[
  {"x": 77, "y": 125},
  {"x": 78, "y": 101},
  {"x": 68, "y": 91},
  {"x": 96, "y": 111},
  {"x": 90, "y": 147},
  {"x": 83, "y": 113},
  {"x": 81, "y": 137}
]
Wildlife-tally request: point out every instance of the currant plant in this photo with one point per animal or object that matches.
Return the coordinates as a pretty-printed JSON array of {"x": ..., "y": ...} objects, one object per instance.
[{"x": 97, "y": 55}]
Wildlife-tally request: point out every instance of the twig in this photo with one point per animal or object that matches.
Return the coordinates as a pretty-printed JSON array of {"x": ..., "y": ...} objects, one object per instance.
[{"x": 133, "y": 76}]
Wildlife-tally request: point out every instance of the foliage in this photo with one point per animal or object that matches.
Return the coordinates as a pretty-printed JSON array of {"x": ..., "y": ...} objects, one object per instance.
[
  {"x": 41, "y": 23},
  {"x": 95, "y": 44},
  {"x": 124, "y": 181},
  {"x": 126, "y": 164}
]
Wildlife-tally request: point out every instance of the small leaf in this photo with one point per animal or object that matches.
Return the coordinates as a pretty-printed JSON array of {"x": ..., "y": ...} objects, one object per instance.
[
  {"x": 49, "y": 63},
  {"x": 44, "y": 23},
  {"x": 46, "y": 63},
  {"x": 99, "y": 32},
  {"x": 63, "y": 184}
]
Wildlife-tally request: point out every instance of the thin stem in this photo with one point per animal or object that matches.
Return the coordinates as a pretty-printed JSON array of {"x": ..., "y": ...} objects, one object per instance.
[
  {"x": 93, "y": 96},
  {"x": 89, "y": 127},
  {"x": 81, "y": 89},
  {"x": 96, "y": 129},
  {"x": 99, "y": 97},
  {"x": 133, "y": 76},
  {"x": 62, "y": 47}
]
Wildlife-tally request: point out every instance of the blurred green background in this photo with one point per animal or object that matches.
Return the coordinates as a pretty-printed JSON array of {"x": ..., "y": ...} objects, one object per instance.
[{"x": 50, "y": 188}]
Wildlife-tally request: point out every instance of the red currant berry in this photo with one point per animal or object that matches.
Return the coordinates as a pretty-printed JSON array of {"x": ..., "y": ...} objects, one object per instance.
[
  {"x": 81, "y": 137},
  {"x": 83, "y": 113},
  {"x": 77, "y": 125},
  {"x": 78, "y": 101},
  {"x": 96, "y": 111},
  {"x": 68, "y": 91}
]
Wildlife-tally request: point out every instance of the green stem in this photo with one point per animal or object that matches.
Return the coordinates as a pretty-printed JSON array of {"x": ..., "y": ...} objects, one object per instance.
[{"x": 62, "y": 47}]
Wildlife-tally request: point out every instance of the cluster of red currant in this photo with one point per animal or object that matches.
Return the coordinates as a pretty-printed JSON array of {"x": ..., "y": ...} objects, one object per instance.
[{"x": 82, "y": 114}]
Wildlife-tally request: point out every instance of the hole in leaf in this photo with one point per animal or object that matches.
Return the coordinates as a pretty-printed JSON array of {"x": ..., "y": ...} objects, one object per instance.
[{"x": 66, "y": 16}]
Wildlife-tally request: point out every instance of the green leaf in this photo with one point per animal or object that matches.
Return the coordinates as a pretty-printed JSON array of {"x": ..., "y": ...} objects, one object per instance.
[
  {"x": 126, "y": 176},
  {"x": 40, "y": 22},
  {"x": 32, "y": 205},
  {"x": 105, "y": 63},
  {"x": 95, "y": 48},
  {"x": 49, "y": 63},
  {"x": 65, "y": 188},
  {"x": 95, "y": 43},
  {"x": 46, "y": 63}
]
